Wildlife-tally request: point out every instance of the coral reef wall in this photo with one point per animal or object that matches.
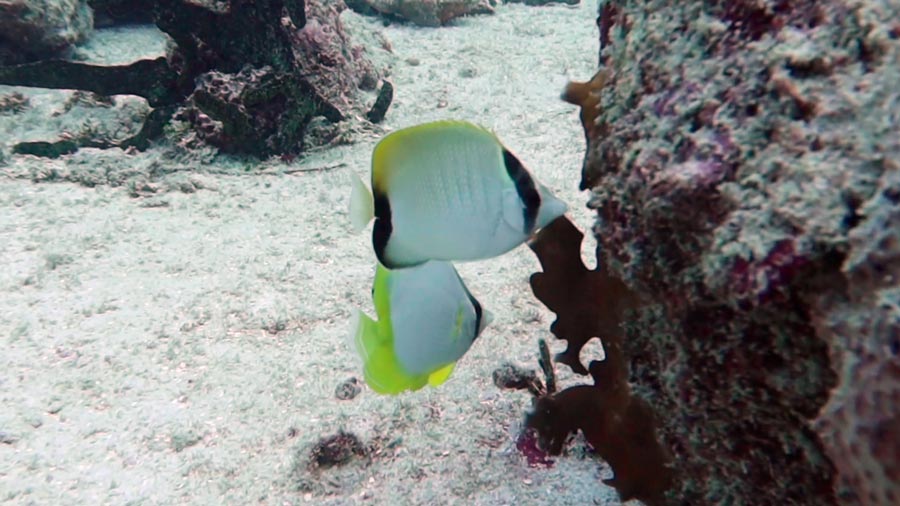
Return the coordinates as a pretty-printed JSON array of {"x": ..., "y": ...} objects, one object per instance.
[{"x": 744, "y": 161}]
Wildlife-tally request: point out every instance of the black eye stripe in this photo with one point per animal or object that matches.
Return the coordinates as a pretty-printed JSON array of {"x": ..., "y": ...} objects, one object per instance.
[{"x": 525, "y": 188}]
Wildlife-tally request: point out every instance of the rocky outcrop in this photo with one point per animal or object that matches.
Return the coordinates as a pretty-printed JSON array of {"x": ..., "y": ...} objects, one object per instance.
[
  {"x": 423, "y": 12},
  {"x": 294, "y": 61},
  {"x": 744, "y": 161},
  {"x": 248, "y": 76},
  {"x": 115, "y": 12},
  {"x": 544, "y": 2},
  {"x": 31, "y": 30}
]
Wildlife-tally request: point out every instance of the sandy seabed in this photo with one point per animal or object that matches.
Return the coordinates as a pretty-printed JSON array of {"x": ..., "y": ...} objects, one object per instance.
[{"x": 184, "y": 347}]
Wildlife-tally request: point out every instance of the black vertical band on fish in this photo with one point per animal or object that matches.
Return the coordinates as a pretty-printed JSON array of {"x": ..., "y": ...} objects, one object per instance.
[
  {"x": 478, "y": 314},
  {"x": 381, "y": 231},
  {"x": 525, "y": 188},
  {"x": 479, "y": 311}
]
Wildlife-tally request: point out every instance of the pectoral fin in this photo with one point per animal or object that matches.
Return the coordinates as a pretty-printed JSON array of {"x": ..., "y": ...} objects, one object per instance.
[{"x": 362, "y": 205}]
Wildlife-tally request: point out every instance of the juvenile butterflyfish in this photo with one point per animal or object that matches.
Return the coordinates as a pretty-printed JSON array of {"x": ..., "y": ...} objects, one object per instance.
[
  {"x": 427, "y": 320},
  {"x": 448, "y": 190}
]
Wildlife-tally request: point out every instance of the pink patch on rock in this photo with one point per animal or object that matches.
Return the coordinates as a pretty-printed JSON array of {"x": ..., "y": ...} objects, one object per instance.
[
  {"x": 527, "y": 444},
  {"x": 761, "y": 280}
]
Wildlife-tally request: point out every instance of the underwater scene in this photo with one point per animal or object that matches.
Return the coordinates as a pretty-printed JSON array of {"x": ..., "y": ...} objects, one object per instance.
[{"x": 450, "y": 252}]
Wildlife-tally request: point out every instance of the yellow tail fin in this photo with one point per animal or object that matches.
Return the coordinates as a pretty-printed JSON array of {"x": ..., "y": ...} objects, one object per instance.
[
  {"x": 382, "y": 371},
  {"x": 362, "y": 205},
  {"x": 441, "y": 375}
]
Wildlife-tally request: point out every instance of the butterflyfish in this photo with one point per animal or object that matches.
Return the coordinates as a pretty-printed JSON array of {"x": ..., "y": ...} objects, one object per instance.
[
  {"x": 427, "y": 320},
  {"x": 448, "y": 190}
]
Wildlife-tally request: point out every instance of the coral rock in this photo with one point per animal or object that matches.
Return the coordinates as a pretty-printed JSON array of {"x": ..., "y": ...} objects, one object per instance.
[
  {"x": 743, "y": 162},
  {"x": 32, "y": 30},
  {"x": 255, "y": 111},
  {"x": 114, "y": 12},
  {"x": 860, "y": 424},
  {"x": 326, "y": 53},
  {"x": 544, "y": 2},
  {"x": 424, "y": 12}
]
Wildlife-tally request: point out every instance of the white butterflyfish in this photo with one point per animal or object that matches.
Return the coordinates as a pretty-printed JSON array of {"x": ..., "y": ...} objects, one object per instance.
[
  {"x": 427, "y": 320},
  {"x": 448, "y": 190}
]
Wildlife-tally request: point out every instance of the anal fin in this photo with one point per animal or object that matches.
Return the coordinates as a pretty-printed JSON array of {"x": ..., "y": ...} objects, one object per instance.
[{"x": 441, "y": 375}]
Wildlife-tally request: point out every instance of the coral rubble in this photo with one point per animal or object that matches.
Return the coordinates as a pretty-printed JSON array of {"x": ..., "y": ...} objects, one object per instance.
[
  {"x": 336, "y": 450},
  {"x": 743, "y": 159}
]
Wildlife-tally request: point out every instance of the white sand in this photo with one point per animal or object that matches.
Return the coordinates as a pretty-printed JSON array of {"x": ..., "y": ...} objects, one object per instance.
[{"x": 137, "y": 367}]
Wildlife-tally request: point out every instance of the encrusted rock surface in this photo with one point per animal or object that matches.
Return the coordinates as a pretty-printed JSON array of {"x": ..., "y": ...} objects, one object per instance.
[
  {"x": 113, "y": 12},
  {"x": 34, "y": 29},
  {"x": 254, "y": 111},
  {"x": 335, "y": 61},
  {"x": 248, "y": 75},
  {"x": 544, "y": 2},
  {"x": 423, "y": 12},
  {"x": 314, "y": 69},
  {"x": 745, "y": 166}
]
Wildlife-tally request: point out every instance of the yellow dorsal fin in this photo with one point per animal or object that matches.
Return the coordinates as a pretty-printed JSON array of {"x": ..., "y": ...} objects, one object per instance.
[{"x": 395, "y": 141}]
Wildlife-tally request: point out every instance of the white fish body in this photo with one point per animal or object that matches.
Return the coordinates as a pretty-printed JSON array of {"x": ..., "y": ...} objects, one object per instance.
[
  {"x": 449, "y": 190},
  {"x": 427, "y": 320}
]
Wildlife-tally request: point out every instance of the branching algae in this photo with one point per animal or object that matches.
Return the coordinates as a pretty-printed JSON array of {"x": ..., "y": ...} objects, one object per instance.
[{"x": 620, "y": 426}]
